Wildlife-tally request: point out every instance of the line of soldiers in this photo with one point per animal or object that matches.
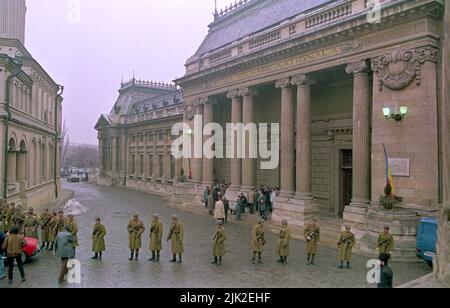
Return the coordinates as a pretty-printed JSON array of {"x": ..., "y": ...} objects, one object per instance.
[
  {"x": 136, "y": 228},
  {"x": 29, "y": 224}
]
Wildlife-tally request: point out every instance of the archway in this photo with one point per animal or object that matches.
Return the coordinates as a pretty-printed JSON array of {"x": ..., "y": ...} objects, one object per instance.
[{"x": 12, "y": 151}]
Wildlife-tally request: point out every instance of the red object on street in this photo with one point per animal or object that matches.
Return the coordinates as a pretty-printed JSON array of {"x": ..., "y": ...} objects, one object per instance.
[{"x": 31, "y": 247}]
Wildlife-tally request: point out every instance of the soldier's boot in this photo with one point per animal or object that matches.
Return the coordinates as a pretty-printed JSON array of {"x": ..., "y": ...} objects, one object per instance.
[
  {"x": 348, "y": 265},
  {"x": 260, "y": 259},
  {"x": 100, "y": 256},
  {"x": 214, "y": 261},
  {"x": 308, "y": 260},
  {"x": 132, "y": 256},
  {"x": 312, "y": 259},
  {"x": 342, "y": 265},
  {"x": 95, "y": 257},
  {"x": 174, "y": 259},
  {"x": 136, "y": 255},
  {"x": 180, "y": 259},
  {"x": 157, "y": 256},
  {"x": 153, "y": 257},
  {"x": 280, "y": 260},
  {"x": 254, "y": 258},
  {"x": 285, "y": 260},
  {"x": 220, "y": 261}
]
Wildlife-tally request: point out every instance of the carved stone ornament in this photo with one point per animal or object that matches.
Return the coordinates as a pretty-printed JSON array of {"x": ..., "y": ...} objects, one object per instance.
[
  {"x": 398, "y": 70},
  {"x": 357, "y": 67},
  {"x": 192, "y": 107}
]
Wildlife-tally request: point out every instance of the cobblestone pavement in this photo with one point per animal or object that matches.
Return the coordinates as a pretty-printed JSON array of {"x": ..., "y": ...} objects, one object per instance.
[{"x": 116, "y": 205}]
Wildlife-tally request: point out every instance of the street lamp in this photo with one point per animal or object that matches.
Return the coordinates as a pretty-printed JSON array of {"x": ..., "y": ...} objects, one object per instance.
[{"x": 396, "y": 113}]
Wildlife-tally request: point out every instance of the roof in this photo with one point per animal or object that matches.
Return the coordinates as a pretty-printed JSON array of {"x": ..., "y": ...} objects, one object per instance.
[
  {"x": 253, "y": 17},
  {"x": 158, "y": 102}
]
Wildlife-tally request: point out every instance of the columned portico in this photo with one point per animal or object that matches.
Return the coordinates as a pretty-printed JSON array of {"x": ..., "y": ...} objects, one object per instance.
[
  {"x": 356, "y": 213},
  {"x": 287, "y": 138},
  {"x": 248, "y": 169},
  {"x": 236, "y": 163},
  {"x": 197, "y": 163}
]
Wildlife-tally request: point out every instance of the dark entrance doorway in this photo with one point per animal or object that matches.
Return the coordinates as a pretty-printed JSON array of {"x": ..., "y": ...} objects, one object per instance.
[{"x": 346, "y": 180}]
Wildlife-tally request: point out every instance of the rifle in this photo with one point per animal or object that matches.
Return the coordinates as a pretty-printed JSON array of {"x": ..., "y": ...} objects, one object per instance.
[
  {"x": 384, "y": 243},
  {"x": 345, "y": 241},
  {"x": 135, "y": 229},
  {"x": 312, "y": 236}
]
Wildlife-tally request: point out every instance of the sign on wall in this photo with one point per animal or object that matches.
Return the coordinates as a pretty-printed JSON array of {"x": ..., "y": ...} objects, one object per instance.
[{"x": 399, "y": 167}]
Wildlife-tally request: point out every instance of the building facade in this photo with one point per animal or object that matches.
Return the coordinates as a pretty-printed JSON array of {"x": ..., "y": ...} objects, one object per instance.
[
  {"x": 135, "y": 137},
  {"x": 30, "y": 117},
  {"x": 336, "y": 79}
]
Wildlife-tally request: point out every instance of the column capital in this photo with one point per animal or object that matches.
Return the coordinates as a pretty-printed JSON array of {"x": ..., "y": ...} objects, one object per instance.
[
  {"x": 283, "y": 83},
  {"x": 358, "y": 67},
  {"x": 233, "y": 93},
  {"x": 247, "y": 92},
  {"x": 302, "y": 80}
]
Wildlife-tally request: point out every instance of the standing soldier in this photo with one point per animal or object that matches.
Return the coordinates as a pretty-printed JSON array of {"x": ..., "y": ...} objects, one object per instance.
[
  {"x": 19, "y": 219},
  {"x": 385, "y": 242},
  {"x": 258, "y": 241},
  {"x": 219, "y": 243},
  {"x": 176, "y": 236},
  {"x": 98, "y": 239},
  {"x": 72, "y": 226},
  {"x": 345, "y": 245},
  {"x": 135, "y": 230},
  {"x": 58, "y": 225},
  {"x": 4, "y": 217},
  {"x": 31, "y": 225},
  {"x": 52, "y": 229},
  {"x": 10, "y": 215},
  {"x": 156, "y": 233},
  {"x": 283, "y": 242},
  {"x": 45, "y": 229},
  {"x": 312, "y": 237}
]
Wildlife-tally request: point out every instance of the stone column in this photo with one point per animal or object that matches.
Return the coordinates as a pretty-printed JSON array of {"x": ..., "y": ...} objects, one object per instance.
[
  {"x": 208, "y": 164},
  {"x": 287, "y": 138},
  {"x": 156, "y": 171},
  {"x": 166, "y": 166},
  {"x": 248, "y": 169},
  {"x": 197, "y": 163},
  {"x": 114, "y": 156},
  {"x": 303, "y": 139},
  {"x": 236, "y": 163},
  {"x": 356, "y": 213}
]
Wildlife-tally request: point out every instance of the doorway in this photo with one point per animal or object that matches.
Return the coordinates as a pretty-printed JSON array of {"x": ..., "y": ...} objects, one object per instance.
[{"x": 346, "y": 180}]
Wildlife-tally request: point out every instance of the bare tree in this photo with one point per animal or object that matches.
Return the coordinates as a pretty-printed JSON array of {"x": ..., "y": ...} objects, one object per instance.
[{"x": 65, "y": 141}]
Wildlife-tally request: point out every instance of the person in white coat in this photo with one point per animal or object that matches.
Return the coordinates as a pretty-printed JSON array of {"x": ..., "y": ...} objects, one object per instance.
[{"x": 219, "y": 211}]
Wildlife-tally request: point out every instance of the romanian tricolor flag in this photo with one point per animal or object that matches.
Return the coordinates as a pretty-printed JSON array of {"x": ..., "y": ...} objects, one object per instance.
[{"x": 389, "y": 181}]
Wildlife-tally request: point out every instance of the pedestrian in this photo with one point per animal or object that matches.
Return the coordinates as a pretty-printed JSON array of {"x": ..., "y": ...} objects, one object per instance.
[
  {"x": 64, "y": 248},
  {"x": 346, "y": 243},
  {"x": 312, "y": 237},
  {"x": 2, "y": 263},
  {"x": 263, "y": 208},
  {"x": 387, "y": 276},
  {"x": 135, "y": 230},
  {"x": 176, "y": 236},
  {"x": 219, "y": 243},
  {"x": 256, "y": 200},
  {"x": 13, "y": 245},
  {"x": 210, "y": 201},
  {"x": 98, "y": 239},
  {"x": 44, "y": 222},
  {"x": 4, "y": 217},
  {"x": 226, "y": 208},
  {"x": 156, "y": 233},
  {"x": 219, "y": 211},
  {"x": 19, "y": 218},
  {"x": 205, "y": 196},
  {"x": 31, "y": 225},
  {"x": 240, "y": 206},
  {"x": 385, "y": 243},
  {"x": 10, "y": 216},
  {"x": 283, "y": 246},
  {"x": 267, "y": 196},
  {"x": 72, "y": 226},
  {"x": 250, "y": 200},
  {"x": 258, "y": 241}
]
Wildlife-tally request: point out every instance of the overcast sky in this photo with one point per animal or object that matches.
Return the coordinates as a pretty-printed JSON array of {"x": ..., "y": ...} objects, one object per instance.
[{"x": 111, "y": 38}]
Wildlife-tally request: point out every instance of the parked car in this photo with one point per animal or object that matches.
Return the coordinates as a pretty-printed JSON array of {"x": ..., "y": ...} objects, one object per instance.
[
  {"x": 29, "y": 250},
  {"x": 427, "y": 239},
  {"x": 74, "y": 178}
]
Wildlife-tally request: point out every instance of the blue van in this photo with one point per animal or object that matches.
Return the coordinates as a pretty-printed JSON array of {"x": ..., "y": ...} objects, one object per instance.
[{"x": 427, "y": 239}]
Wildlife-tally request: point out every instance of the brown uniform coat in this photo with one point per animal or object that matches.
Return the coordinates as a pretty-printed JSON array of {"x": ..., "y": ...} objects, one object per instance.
[
  {"x": 176, "y": 236},
  {"x": 135, "y": 231},
  {"x": 156, "y": 233},
  {"x": 258, "y": 240},
  {"x": 283, "y": 243}
]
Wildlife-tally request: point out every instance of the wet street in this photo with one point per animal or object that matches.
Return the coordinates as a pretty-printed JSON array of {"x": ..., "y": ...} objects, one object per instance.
[{"x": 116, "y": 205}]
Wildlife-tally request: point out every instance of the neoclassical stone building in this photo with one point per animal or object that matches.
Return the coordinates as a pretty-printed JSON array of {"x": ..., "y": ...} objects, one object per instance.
[
  {"x": 30, "y": 117},
  {"x": 135, "y": 137},
  {"x": 337, "y": 81}
]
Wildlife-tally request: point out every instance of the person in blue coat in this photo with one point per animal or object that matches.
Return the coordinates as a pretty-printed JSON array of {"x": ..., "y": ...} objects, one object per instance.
[{"x": 65, "y": 250}]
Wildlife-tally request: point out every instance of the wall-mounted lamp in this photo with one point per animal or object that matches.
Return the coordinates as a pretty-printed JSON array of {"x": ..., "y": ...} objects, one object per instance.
[{"x": 396, "y": 113}]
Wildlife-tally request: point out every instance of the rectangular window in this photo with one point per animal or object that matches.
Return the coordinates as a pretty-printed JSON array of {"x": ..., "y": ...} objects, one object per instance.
[
  {"x": 161, "y": 166},
  {"x": 150, "y": 162},
  {"x": 141, "y": 164},
  {"x": 133, "y": 164}
]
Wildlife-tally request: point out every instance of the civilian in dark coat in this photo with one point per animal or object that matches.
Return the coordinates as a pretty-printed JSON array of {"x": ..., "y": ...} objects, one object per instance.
[{"x": 387, "y": 276}]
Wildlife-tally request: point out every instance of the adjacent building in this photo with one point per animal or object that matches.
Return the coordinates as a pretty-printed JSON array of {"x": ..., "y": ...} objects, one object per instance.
[{"x": 30, "y": 117}]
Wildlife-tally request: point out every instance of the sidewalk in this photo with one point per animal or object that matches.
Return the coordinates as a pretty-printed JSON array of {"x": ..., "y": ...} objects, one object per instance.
[
  {"x": 63, "y": 198},
  {"x": 425, "y": 282}
]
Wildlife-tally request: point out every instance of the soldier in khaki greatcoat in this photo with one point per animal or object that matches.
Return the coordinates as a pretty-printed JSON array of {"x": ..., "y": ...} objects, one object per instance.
[
  {"x": 283, "y": 248},
  {"x": 258, "y": 241},
  {"x": 135, "y": 230},
  {"x": 347, "y": 241},
  {"x": 176, "y": 236},
  {"x": 98, "y": 239},
  {"x": 156, "y": 233},
  {"x": 312, "y": 237},
  {"x": 219, "y": 243},
  {"x": 385, "y": 243}
]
